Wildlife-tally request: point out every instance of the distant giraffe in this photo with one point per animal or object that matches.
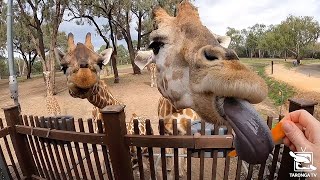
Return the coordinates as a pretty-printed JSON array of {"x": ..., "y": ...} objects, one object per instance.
[
  {"x": 53, "y": 107},
  {"x": 152, "y": 68}
]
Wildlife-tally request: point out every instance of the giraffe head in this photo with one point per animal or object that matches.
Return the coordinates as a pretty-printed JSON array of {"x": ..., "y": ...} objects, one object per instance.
[
  {"x": 82, "y": 65},
  {"x": 196, "y": 70}
]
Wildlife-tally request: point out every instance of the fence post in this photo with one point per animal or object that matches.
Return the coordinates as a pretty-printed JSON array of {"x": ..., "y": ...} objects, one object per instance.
[
  {"x": 271, "y": 67},
  {"x": 20, "y": 142},
  {"x": 287, "y": 163},
  {"x": 115, "y": 128}
]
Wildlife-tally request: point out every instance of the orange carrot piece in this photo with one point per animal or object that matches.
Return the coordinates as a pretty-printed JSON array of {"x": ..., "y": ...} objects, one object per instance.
[{"x": 277, "y": 134}]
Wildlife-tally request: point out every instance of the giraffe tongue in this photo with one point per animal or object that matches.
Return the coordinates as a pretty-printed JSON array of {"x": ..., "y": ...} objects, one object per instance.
[{"x": 253, "y": 140}]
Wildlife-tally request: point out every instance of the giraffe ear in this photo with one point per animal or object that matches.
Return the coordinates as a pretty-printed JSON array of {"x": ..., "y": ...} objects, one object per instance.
[
  {"x": 71, "y": 44},
  {"x": 106, "y": 56},
  {"x": 224, "y": 41},
  {"x": 143, "y": 58},
  {"x": 88, "y": 42}
]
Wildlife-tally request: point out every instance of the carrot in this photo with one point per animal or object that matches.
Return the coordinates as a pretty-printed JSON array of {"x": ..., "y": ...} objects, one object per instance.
[{"x": 277, "y": 135}]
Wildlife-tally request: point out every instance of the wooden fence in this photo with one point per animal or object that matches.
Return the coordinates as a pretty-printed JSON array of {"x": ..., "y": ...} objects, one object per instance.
[{"x": 58, "y": 148}]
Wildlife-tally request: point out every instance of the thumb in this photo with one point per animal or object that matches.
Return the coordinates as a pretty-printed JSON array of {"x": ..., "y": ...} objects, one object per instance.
[{"x": 294, "y": 134}]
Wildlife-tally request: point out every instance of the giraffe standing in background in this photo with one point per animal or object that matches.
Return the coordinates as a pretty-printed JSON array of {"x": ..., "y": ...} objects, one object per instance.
[
  {"x": 53, "y": 107},
  {"x": 152, "y": 68}
]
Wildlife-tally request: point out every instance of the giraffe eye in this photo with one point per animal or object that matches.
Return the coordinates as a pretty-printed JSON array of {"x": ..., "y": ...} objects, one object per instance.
[
  {"x": 155, "y": 46},
  {"x": 64, "y": 68}
]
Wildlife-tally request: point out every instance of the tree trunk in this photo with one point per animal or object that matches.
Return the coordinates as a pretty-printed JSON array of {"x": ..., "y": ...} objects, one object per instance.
[
  {"x": 128, "y": 39},
  {"x": 114, "y": 53},
  {"x": 285, "y": 55},
  {"x": 139, "y": 30}
]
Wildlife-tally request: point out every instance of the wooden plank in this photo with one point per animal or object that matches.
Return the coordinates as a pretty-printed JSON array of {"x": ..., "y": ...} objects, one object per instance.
[
  {"x": 227, "y": 159},
  {"x": 139, "y": 152},
  {"x": 47, "y": 145},
  {"x": 38, "y": 149},
  {"x": 5, "y": 131},
  {"x": 203, "y": 142},
  {"x": 163, "y": 152},
  {"x": 105, "y": 154},
  {"x": 150, "y": 151},
  {"x": 6, "y": 173},
  {"x": 250, "y": 171},
  {"x": 95, "y": 151},
  {"x": 175, "y": 152},
  {"x": 19, "y": 143},
  {"x": 51, "y": 122},
  {"x": 201, "y": 153},
  {"x": 63, "y": 151},
  {"x": 86, "y": 151},
  {"x": 45, "y": 151},
  {"x": 35, "y": 177},
  {"x": 214, "y": 154},
  {"x": 32, "y": 145},
  {"x": 70, "y": 152},
  {"x": 189, "y": 152},
  {"x": 10, "y": 155},
  {"x": 79, "y": 156},
  {"x": 239, "y": 165},
  {"x": 91, "y": 138}
]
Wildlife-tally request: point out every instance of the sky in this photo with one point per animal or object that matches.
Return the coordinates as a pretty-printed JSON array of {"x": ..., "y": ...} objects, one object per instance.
[{"x": 217, "y": 15}]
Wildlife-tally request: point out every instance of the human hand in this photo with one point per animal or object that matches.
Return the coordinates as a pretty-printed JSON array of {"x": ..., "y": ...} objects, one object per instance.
[{"x": 302, "y": 132}]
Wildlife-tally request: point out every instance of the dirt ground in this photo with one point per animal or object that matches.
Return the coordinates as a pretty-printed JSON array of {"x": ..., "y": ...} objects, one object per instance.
[{"x": 305, "y": 78}]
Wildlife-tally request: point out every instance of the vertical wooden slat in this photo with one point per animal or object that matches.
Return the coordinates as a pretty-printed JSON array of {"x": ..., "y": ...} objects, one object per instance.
[
  {"x": 95, "y": 151},
  {"x": 263, "y": 165},
  {"x": 150, "y": 151},
  {"x": 32, "y": 145},
  {"x": 189, "y": 152},
  {"x": 78, "y": 152},
  {"x": 139, "y": 152},
  {"x": 176, "y": 152},
  {"x": 63, "y": 151},
  {"x": 48, "y": 146},
  {"x": 4, "y": 159},
  {"x": 227, "y": 159},
  {"x": 214, "y": 155},
  {"x": 250, "y": 171},
  {"x": 86, "y": 151},
  {"x": 276, "y": 152},
  {"x": 239, "y": 165},
  {"x": 70, "y": 151},
  {"x": 163, "y": 152},
  {"x": 44, "y": 149},
  {"x": 51, "y": 122},
  {"x": 105, "y": 154},
  {"x": 201, "y": 153},
  {"x": 38, "y": 149}
]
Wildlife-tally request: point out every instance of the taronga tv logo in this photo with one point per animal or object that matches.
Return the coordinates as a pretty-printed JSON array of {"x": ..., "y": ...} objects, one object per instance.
[{"x": 303, "y": 164}]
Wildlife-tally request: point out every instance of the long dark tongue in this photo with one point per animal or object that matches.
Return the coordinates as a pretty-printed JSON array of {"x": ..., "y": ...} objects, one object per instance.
[{"x": 253, "y": 140}]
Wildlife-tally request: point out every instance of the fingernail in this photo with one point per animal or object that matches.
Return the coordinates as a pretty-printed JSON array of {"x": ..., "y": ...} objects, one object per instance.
[{"x": 286, "y": 126}]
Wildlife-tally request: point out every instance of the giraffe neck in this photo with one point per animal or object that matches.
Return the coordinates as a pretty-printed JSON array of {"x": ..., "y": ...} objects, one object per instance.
[
  {"x": 167, "y": 111},
  {"x": 49, "y": 92},
  {"x": 103, "y": 97}
]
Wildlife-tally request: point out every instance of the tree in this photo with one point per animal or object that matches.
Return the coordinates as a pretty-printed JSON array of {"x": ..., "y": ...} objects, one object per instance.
[
  {"x": 299, "y": 33},
  {"x": 42, "y": 17}
]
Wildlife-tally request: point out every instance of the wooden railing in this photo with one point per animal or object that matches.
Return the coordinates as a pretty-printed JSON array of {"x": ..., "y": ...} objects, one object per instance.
[{"x": 54, "y": 149}]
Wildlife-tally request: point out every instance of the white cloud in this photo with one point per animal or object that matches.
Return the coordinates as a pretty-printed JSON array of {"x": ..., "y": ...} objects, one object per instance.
[{"x": 219, "y": 14}]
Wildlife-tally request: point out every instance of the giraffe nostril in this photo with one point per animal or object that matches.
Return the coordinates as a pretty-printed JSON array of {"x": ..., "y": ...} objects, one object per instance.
[
  {"x": 84, "y": 65},
  {"x": 210, "y": 56}
]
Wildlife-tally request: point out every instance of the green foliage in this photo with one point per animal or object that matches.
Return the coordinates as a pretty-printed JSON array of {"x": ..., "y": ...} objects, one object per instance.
[{"x": 278, "y": 91}]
